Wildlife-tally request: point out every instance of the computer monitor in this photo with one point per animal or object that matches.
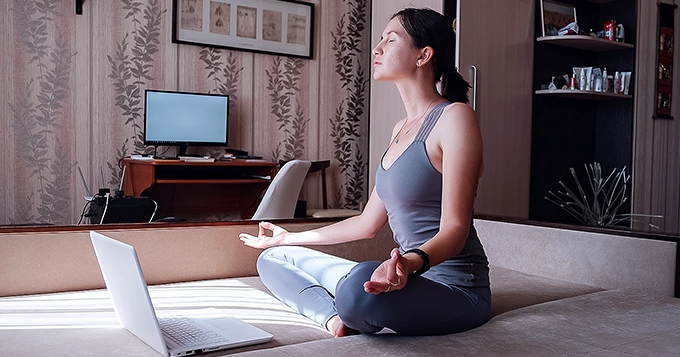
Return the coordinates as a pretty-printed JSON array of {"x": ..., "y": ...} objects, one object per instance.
[{"x": 185, "y": 119}]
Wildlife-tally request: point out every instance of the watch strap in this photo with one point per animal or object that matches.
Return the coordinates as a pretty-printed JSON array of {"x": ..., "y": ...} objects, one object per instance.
[{"x": 426, "y": 262}]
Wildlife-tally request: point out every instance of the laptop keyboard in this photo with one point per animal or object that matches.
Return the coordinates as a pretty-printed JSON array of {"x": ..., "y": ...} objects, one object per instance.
[{"x": 184, "y": 332}]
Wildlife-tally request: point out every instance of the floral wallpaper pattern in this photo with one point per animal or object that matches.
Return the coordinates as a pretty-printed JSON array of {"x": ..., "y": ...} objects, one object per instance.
[
  {"x": 283, "y": 84},
  {"x": 225, "y": 75},
  {"x": 131, "y": 66},
  {"x": 38, "y": 113},
  {"x": 346, "y": 125},
  {"x": 75, "y": 90}
]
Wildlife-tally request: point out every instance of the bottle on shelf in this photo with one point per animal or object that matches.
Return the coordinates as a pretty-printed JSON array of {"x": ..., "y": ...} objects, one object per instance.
[
  {"x": 617, "y": 82},
  {"x": 620, "y": 33},
  {"x": 582, "y": 80}
]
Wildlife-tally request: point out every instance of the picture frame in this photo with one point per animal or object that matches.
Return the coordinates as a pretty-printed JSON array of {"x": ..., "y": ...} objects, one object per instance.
[
  {"x": 664, "y": 55},
  {"x": 554, "y": 16},
  {"x": 283, "y": 27}
]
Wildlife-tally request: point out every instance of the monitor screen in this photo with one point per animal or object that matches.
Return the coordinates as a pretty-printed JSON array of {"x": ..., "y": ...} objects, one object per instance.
[{"x": 181, "y": 118}]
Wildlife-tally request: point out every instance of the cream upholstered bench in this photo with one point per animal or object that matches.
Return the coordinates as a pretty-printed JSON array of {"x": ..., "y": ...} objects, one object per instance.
[{"x": 555, "y": 292}]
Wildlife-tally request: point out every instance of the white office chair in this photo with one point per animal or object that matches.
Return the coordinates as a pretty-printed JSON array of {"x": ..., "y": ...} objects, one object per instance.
[
  {"x": 325, "y": 212},
  {"x": 282, "y": 194}
]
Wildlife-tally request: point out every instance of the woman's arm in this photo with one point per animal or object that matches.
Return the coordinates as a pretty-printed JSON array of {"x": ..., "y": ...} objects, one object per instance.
[{"x": 366, "y": 225}]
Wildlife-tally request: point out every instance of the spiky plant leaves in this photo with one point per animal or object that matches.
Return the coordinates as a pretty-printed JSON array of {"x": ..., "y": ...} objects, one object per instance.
[{"x": 600, "y": 206}]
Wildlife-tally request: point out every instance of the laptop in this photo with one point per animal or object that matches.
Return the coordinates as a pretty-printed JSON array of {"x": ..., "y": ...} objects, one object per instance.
[{"x": 125, "y": 281}]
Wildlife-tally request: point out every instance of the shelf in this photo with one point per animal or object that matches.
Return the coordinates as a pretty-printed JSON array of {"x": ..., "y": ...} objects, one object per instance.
[
  {"x": 568, "y": 93},
  {"x": 586, "y": 43}
]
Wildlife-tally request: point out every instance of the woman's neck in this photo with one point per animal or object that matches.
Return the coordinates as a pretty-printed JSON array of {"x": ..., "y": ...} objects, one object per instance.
[{"x": 417, "y": 98}]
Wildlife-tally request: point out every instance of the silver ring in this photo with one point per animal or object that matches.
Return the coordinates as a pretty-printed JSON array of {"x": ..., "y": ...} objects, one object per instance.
[
  {"x": 388, "y": 288},
  {"x": 398, "y": 282}
]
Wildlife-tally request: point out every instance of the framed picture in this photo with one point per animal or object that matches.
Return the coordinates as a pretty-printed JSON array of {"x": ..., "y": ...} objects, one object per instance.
[
  {"x": 664, "y": 79},
  {"x": 555, "y": 15},
  {"x": 283, "y": 27}
]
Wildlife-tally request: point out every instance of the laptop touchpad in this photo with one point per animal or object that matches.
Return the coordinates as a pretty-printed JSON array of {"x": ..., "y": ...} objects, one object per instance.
[{"x": 222, "y": 323}]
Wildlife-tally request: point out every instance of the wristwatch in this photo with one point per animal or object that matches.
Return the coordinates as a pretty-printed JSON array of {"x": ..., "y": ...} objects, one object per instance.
[{"x": 426, "y": 262}]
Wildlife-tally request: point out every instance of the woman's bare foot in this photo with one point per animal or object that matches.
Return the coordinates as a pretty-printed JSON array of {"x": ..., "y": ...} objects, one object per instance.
[{"x": 338, "y": 329}]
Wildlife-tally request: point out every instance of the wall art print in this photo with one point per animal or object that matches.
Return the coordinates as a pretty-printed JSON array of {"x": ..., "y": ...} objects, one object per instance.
[
  {"x": 555, "y": 16},
  {"x": 664, "y": 78},
  {"x": 269, "y": 26}
]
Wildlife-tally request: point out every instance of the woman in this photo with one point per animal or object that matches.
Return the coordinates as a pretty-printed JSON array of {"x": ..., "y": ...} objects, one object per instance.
[{"x": 437, "y": 281}]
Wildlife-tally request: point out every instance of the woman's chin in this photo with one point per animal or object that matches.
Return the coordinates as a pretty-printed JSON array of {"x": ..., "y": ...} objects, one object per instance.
[{"x": 378, "y": 77}]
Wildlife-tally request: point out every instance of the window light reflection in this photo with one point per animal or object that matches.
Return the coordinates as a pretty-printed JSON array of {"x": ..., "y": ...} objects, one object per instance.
[{"x": 94, "y": 309}]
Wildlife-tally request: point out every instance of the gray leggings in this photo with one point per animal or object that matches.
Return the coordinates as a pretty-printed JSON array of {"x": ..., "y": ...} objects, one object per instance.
[{"x": 320, "y": 286}]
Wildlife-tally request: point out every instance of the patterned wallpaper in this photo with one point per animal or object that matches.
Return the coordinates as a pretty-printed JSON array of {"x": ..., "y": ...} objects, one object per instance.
[{"x": 74, "y": 87}]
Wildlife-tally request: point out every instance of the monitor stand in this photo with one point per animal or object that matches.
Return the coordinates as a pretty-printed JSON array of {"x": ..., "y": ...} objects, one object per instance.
[
  {"x": 162, "y": 157},
  {"x": 181, "y": 151}
]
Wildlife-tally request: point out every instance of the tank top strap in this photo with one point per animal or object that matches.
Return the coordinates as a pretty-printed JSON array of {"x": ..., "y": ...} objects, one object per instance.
[{"x": 430, "y": 122}]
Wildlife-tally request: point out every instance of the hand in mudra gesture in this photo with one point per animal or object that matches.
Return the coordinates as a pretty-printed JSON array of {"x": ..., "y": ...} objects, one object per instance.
[
  {"x": 391, "y": 275},
  {"x": 262, "y": 240}
]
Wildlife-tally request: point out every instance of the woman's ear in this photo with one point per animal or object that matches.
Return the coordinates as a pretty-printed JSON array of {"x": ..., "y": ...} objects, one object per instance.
[{"x": 426, "y": 55}]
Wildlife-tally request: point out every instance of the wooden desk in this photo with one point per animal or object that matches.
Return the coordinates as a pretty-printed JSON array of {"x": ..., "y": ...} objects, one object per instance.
[{"x": 189, "y": 189}]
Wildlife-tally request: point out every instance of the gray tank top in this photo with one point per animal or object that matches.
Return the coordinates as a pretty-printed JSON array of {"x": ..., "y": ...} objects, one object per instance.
[{"x": 411, "y": 190}]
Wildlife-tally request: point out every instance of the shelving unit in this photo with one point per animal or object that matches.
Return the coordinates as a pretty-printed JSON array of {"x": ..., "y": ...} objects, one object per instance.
[
  {"x": 571, "y": 128},
  {"x": 583, "y": 42},
  {"x": 579, "y": 94}
]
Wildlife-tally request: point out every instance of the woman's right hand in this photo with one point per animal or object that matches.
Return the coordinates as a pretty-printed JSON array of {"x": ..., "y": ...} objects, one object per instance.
[{"x": 263, "y": 240}]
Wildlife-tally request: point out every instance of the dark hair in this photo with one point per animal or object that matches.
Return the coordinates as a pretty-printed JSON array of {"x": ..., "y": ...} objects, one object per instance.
[{"x": 430, "y": 28}]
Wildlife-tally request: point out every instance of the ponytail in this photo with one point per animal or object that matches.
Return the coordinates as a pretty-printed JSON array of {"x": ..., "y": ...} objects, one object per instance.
[{"x": 454, "y": 87}]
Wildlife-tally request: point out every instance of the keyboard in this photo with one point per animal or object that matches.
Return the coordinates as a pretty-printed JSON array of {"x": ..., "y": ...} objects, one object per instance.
[{"x": 186, "y": 333}]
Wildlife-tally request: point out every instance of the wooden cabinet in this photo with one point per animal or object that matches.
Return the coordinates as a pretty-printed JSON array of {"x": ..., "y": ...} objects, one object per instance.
[
  {"x": 656, "y": 158},
  {"x": 497, "y": 38},
  {"x": 573, "y": 128},
  {"x": 495, "y": 54}
]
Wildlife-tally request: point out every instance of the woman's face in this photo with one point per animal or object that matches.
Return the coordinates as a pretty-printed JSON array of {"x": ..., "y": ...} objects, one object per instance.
[{"x": 395, "y": 56}]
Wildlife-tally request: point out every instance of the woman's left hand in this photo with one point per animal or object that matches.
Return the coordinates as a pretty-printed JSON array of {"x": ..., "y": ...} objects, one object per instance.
[{"x": 391, "y": 275}]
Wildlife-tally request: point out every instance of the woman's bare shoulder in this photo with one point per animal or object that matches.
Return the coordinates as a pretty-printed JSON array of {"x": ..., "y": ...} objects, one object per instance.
[
  {"x": 458, "y": 115},
  {"x": 459, "y": 109}
]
